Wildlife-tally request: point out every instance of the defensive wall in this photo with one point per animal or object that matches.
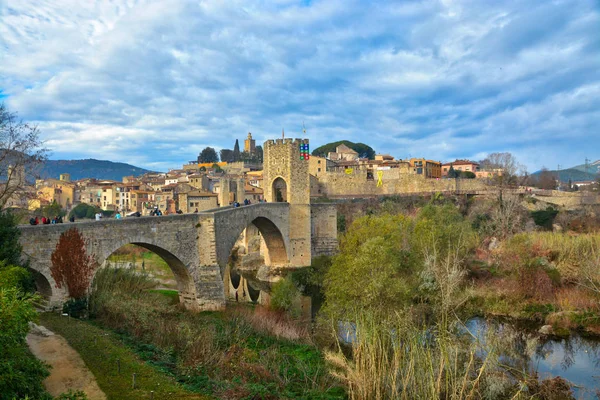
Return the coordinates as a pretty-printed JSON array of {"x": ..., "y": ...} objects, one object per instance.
[{"x": 359, "y": 183}]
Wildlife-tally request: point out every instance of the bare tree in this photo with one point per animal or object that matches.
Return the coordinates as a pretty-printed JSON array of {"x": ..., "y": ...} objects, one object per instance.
[
  {"x": 511, "y": 168},
  {"x": 21, "y": 152}
]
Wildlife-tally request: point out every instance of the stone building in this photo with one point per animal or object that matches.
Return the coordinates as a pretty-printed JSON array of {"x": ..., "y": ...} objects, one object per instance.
[
  {"x": 343, "y": 153},
  {"x": 250, "y": 144},
  {"x": 427, "y": 168}
]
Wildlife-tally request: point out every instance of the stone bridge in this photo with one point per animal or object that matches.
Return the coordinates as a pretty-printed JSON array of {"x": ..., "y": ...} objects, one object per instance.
[{"x": 195, "y": 246}]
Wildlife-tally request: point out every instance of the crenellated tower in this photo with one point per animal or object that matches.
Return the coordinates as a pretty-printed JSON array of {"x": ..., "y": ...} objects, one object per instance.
[{"x": 286, "y": 179}]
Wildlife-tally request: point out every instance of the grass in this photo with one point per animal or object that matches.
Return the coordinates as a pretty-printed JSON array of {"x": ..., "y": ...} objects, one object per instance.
[
  {"x": 173, "y": 295},
  {"x": 100, "y": 349}
]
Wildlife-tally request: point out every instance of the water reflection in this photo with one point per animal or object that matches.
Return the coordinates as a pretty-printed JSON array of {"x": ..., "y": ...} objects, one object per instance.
[{"x": 575, "y": 359}]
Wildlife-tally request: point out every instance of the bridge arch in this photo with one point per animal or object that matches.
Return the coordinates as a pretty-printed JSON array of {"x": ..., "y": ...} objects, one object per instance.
[
  {"x": 185, "y": 282},
  {"x": 270, "y": 219}
]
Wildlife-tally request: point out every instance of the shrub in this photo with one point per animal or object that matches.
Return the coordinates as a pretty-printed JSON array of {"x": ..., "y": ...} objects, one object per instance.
[
  {"x": 544, "y": 218},
  {"x": 21, "y": 374},
  {"x": 285, "y": 296},
  {"x": 71, "y": 265}
]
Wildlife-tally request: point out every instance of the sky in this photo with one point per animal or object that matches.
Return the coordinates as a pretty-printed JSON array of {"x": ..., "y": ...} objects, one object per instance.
[{"x": 151, "y": 83}]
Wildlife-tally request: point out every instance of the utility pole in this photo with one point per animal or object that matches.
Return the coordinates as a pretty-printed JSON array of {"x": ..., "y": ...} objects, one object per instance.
[{"x": 587, "y": 166}]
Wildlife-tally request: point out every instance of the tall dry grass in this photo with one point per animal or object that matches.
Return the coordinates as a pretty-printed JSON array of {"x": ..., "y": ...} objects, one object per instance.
[{"x": 398, "y": 360}]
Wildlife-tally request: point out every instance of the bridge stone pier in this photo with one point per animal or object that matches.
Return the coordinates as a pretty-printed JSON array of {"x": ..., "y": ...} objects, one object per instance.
[{"x": 197, "y": 246}]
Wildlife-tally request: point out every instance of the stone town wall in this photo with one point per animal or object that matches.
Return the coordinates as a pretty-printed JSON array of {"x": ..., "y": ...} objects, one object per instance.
[
  {"x": 324, "y": 239},
  {"x": 340, "y": 184}
]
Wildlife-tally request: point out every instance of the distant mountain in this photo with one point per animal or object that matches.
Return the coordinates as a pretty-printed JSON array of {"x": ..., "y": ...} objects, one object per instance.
[
  {"x": 571, "y": 173},
  {"x": 593, "y": 167},
  {"x": 99, "y": 169}
]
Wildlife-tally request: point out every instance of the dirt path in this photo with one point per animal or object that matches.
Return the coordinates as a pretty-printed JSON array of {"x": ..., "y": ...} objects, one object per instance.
[{"x": 68, "y": 371}]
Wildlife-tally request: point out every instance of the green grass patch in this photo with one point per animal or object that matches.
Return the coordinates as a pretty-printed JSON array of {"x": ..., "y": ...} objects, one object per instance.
[
  {"x": 173, "y": 295},
  {"x": 100, "y": 349}
]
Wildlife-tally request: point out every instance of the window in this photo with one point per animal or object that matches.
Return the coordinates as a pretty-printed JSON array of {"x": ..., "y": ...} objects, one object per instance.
[{"x": 318, "y": 169}]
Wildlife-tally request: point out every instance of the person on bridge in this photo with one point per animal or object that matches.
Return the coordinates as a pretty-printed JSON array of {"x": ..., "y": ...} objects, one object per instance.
[
  {"x": 118, "y": 215},
  {"x": 72, "y": 219}
]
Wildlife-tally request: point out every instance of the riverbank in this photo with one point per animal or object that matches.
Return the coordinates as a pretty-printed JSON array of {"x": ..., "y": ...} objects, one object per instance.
[{"x": 113, "y": 363}]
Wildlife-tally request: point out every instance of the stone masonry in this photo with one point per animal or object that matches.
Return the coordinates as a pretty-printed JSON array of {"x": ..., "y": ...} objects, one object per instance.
[{"x": 197, "y": 246}]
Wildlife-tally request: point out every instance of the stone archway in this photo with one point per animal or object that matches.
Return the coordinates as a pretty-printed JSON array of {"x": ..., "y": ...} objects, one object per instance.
[
  {"x": 42, "y": 284},
  {"x": 185, "y": 282},
  {"x": 280, "y": 191}
]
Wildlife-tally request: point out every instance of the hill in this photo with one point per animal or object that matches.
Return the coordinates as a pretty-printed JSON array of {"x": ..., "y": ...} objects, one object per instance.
[
  {"x": 99, "y": 169},
  {"x": 571, "y": 173},
  {"x": 593, "y": 167},
  {"x": 363, "y": 150}
]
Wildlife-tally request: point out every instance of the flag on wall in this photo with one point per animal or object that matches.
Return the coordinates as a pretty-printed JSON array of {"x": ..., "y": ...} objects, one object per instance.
[{"x": 304, "y": 152}]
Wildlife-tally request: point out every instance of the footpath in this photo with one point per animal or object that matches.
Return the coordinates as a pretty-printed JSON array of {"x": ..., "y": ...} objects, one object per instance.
[{"x": 68, "y": 371}]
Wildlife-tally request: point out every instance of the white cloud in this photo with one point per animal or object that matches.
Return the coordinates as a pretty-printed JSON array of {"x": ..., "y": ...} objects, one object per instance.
[{"x": 152, "y": 83}]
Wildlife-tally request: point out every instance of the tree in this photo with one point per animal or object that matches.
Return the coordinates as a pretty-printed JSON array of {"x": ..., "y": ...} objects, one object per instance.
[
  {"x": 508, "y": 164},
  {"x": 10, "y": 249},
  {"x": 226, "y": 155},
  {"x": 21, "y": 152},
  {"x": 208, "y": 155},
  {"x": 452, "y": 173},
  {"x": 71, "y": 265},
  {"x": 52, "y": 210},
  {"x": 236, "y": 151},
  {"x": 84, "y": 210},
  {"x": 546, "y": 180},
  {"x": 363, "y": 150},
  {"x": 258, "y": 153}
]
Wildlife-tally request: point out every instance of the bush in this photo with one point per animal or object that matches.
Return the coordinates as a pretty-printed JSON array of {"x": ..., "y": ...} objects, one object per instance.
[
  {"x": 285, "y": 296},
  {"x": 76, "y": 308},
  {"x": 83, "y": 210},
  {"x": 544, "y": 218},
  {"x": 21, "y": 374},
  {"x": 10, "y": 249}
]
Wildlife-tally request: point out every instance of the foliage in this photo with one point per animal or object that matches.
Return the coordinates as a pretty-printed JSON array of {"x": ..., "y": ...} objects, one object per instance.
[
  {"x": 208, "y": 155},
  {"x": 71, "y": 265},
  {"x": 21, "y": 152},
  {"x": 21, "y": 374},
  {"x": 10, "y": 249},
  {"x": 72, "y": 395},
  {"x": 226, "y": 155},
  {"x": 362, "y": 149},
  {"x": 101, "y": 349},
  {"x": 51, "y": 210},
  {"x": 285, "y": 296},
  {"x": 372, "y": 269},
  {"x": 16, "y": 276},
  {"x": 84, "y": 210},
  {"x": 397, "y": 359},
  {"x": 77, "y": 308},
  {"x": 217, "y": 169},
  {"x": 227, "y": 355},
  {"x": 544, "y": 218}
]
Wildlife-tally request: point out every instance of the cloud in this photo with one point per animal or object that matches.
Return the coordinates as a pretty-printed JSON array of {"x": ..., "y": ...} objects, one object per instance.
[{"x": 152, "y": 83}]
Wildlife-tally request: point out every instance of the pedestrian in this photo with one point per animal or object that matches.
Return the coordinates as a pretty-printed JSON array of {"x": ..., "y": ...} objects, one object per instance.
[
  {"x": 196, "y": 210},
  {"x": 59, "y": 220},
  {"x": 118, "y": 216},
  {"x": 72, "y": 219},
  {"x": 43, "y": 220},
  {"x": 37, "y": 221}
]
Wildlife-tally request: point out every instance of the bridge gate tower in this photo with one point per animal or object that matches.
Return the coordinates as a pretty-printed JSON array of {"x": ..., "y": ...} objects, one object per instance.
[{"x": 286, "y": 179}]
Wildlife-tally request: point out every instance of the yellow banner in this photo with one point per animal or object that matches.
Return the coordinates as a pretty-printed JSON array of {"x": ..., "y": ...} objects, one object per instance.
[
  {"x": 349, "y": 171},
  {"x": 379, "y": 178}
]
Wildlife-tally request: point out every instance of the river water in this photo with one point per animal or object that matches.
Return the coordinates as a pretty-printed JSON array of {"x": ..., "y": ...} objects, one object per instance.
[{"x": 576, "y": 358}]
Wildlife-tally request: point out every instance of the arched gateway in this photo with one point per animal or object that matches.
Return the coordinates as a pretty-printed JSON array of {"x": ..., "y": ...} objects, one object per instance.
[{"x": 197, "y": 246}]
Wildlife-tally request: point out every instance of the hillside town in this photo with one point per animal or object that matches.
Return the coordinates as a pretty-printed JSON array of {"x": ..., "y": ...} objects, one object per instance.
[
  {"x": 199, "y": 186},
  {"x": 238, "y": 179}
]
